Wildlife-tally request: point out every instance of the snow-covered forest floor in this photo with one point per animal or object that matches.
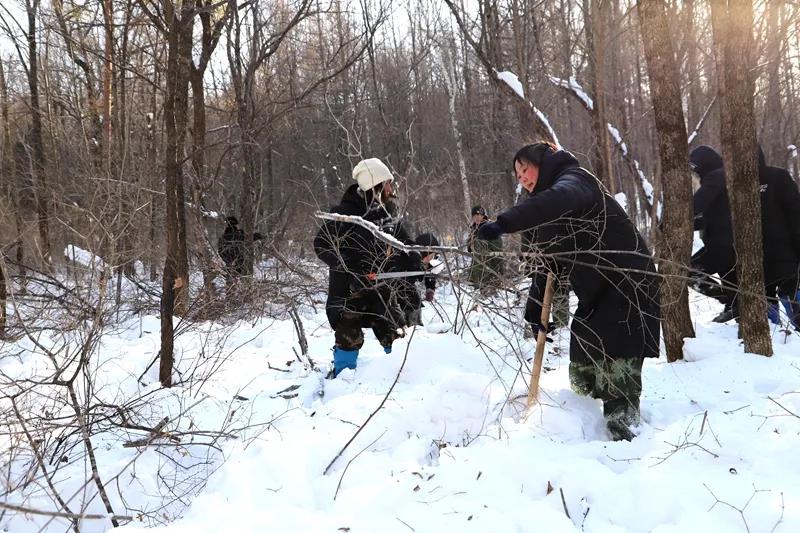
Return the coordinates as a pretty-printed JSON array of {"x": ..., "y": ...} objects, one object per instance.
[{"x": 251, "y": 428}]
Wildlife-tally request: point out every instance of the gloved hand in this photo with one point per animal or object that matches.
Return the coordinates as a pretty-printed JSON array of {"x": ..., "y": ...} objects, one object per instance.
[
  {"x": 490, "y": 231},
  {"x": 547, "y": 331},
  {"x": 429, "y": 295}
]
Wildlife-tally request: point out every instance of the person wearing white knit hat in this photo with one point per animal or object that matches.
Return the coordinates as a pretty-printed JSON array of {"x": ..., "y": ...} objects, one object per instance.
[
  {"x": 355, "y": 256},
  {"x": 370, "y": 174}
]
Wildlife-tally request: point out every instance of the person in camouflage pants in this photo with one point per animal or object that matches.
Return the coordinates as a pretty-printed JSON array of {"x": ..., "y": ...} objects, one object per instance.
[
  {"x": 618, "y": 383},
  {"x": 584, "y": 236}
]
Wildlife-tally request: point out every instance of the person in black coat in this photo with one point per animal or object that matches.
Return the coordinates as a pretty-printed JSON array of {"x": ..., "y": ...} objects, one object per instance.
[
  {"x": 356, "y": 299},
  {"x": 616, "y": 324},
  {"x": 232, "y": 249},
  {"x": 712, "y": 216},
  {"x": 408, "y": 294},
  {"x": 780, "y": 231}
]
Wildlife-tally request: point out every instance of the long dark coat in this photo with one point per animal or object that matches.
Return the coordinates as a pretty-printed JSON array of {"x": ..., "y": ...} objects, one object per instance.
[
  {"x": 608, "y": 263},
  {"x": 351, "y": 252},
  {"x": 780, "y": 222},
  {"x": 712, "y": 211}
]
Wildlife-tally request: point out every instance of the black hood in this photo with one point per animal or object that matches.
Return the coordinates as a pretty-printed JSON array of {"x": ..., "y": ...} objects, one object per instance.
[
  {"x": 705, "y": 159},
  {"x": 552, "y": 166}
]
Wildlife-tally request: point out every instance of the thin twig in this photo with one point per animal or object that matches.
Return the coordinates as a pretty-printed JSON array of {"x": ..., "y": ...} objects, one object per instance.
[
  {"x": 396, "y": 378},
  {"x": 59, "y": 514}
]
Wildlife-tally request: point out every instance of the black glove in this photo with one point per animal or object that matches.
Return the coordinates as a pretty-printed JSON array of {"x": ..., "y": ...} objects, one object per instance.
[
  {"x": 547, "y": 331},
  {"x": 490, "y": 231}
]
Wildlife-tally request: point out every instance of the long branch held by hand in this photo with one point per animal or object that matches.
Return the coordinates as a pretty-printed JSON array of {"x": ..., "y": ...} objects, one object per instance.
[{"x": 395, "y": 243}]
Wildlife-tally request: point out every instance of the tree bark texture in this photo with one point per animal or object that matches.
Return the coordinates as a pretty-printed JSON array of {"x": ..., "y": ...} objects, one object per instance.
[
  {"x": 732, "y": 25},
  {"x": 675, "y": 248}
]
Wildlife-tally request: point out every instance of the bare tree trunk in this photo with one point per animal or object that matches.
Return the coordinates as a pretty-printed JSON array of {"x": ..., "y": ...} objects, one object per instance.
[
  {"x": 448, "y": 70},
  {"x": 771, "y": 135},
  {"x": 676, "y": 245},
  {"x": 6, "y": 188},
  {"x": 596, "y": 27},
  {"x": 37, "y": 143},
  {"x": 732, "y": 23},
  {"x": 175, "y": 277}
]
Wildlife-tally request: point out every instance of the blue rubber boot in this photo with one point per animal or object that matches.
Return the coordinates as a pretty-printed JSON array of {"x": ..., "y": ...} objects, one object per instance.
[
  {"x": 343, "y": 359},
  {"x": 793, "y": 310},
  {"x": 773, "y": 314},
  {"x": 387, "y": 349}
]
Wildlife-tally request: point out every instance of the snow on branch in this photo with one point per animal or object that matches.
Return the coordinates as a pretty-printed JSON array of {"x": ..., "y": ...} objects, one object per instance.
[
  {"x": 512, "y": 81},
  {"x": 701, "y": 121},
  {"x": 385, "y": 237},
  {"x": 647, "y": 187},
  {"x": 575, "y": 89}
]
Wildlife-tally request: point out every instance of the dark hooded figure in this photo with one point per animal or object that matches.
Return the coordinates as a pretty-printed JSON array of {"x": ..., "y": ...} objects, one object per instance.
[
  {"x": 356, "y": 298},
  {"x": 231, "y": 248},
  {"x": 712, "y": 216},
  {"x": 616, "y": 324},
  {"x": 780, "y": 231}
]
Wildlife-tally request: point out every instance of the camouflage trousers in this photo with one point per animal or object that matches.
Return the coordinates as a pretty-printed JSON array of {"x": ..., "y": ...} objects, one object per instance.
[
  {"x": 618, "y": 383},
  {"x": 349, "y": 335}
]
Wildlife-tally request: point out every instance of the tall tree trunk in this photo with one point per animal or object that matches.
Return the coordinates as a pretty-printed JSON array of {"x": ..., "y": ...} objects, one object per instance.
[
  {"x": 733, "y": 25},
  {"x": 676, "y": 245},
  {"x": 175, "y": 278},
  {"x": 7, "y": 188},
  {"x": 771, "y": 137},
  {"x": 37, "y": 143},
  {"x": 692, "y": 66},
  {"x": 596, "y": 31},
  {"x": 449, "y": 71}
]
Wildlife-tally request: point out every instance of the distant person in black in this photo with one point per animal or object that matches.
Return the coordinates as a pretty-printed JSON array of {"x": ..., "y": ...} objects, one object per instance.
[
  {"x": 712, "y": 216},
  {"x": 780, "y": 230},
  {"x": 231, "y": 247}
]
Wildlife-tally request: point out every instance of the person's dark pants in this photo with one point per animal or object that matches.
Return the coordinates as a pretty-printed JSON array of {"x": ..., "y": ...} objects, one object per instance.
[
  {"x": 369, "y": 309},
  {"x": 715, "y": 260}
]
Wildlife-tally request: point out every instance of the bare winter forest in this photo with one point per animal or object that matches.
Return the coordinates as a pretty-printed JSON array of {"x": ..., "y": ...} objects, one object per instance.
[{"x": 130, "y": 130}]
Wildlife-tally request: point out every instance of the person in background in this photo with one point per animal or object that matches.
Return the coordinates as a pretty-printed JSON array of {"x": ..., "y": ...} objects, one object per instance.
[
  {"x": 712, "y": 216},
  {"x": 486, "y": 271},
  {"x": 232, "y": 249},
  {"x": 780, "y": 232}
]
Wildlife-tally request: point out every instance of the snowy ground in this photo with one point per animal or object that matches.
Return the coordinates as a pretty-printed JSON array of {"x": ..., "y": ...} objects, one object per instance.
[{"x": 448, "y": 451}]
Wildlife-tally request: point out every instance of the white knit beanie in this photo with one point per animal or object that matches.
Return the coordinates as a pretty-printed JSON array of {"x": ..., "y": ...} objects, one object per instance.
[{"x": 371, "y": 172}]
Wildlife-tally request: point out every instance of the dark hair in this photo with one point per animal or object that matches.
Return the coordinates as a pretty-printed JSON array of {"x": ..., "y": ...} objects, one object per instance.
[
  {"x": 534, "y": 153},
  {"x": 478, "y": 210},
  {"x": 231, "y": 221}
]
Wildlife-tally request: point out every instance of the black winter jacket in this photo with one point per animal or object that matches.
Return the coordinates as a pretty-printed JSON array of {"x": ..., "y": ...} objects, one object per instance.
[
  {"x": 711, "y": 199},
  {"x": 595, "y": 245},
  {"x": 351, "y": 252},
  {"x": 780, "y": 219}
]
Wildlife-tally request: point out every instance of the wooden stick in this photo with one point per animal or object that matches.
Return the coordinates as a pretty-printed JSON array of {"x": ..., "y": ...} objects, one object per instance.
[{"x": 541, "y": 338}]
